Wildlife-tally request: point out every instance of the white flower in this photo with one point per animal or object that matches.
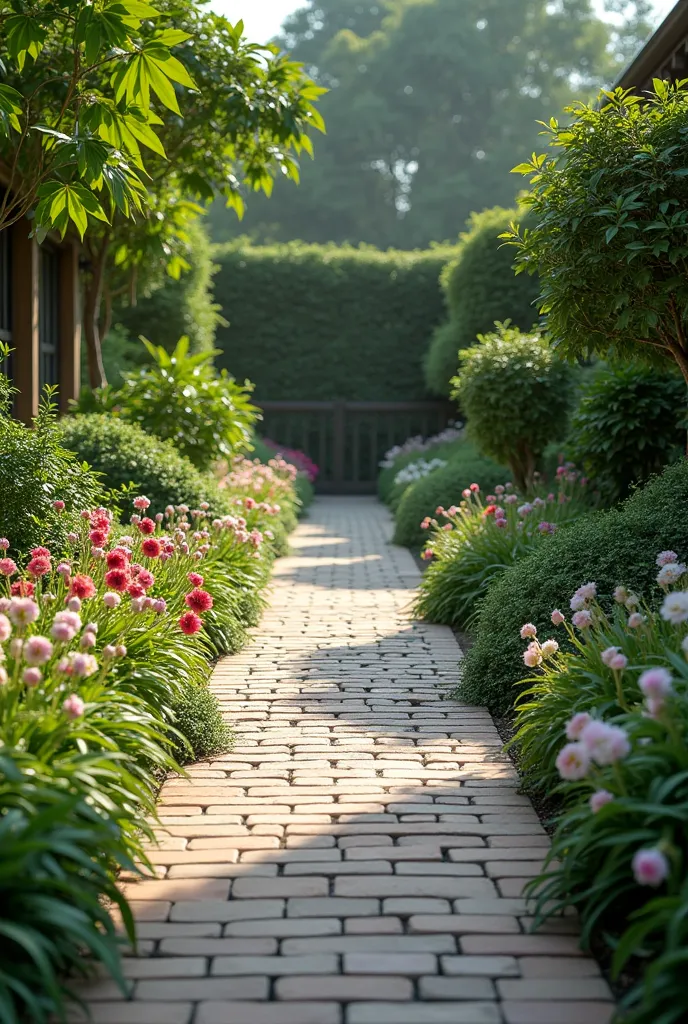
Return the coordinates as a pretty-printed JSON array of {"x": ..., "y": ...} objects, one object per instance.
[
  {"x": 670, "y": 573},
  {"x": 675, "y": 607}
]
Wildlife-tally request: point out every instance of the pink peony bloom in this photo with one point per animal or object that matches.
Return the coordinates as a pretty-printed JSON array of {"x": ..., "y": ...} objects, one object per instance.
[
  {"x": 83, "y": 587},
  {"x": 635, "y": 620},
  {"x": 22, "y": 588},
  {"x": 4, "y": 544},
  {"x": 532, "y": 656},
  {"x": 675, "y": 608},
  {"x": 528, "y": 630},
  {"x": 145, "y": 579},
  {"x": 151, "y": 547},
  {"x": 666, "y": 558},
  {"x": 195, "y": 579},
  {"x": 549, "y": 648},
  {"x": 199, "y": 601},
  {"x": 655, "y": 682},
  {"x": 73, "y": 707},
  {"x": 610, "y": 653},
  {"x": 582, "y": 619},
  {"x": 588, "y": 591},
  {"x": 557, "y": 617},
  {"x": 141, "y": 503},
  {"x": 23, "y": 611},
  {"x": 5, "y": 628},
  {"x": 599, "y": 799},
  {"x": 111, "y": 599},
  {"x": 650, "y": 867},
  {"x": 146, "y": 526},
  {"x": 32, "y": 676},
  {"x": 59, "y": 505},
  {"x": 37, "y": 650},
  {"x": 118, "y": 579},
  {"x": 121, "y": 651},
  {"x": 38, "y": 567},
  {"x": 573, "y": 762},
  {"x": 190, "y": 623},
  {"x": 576, "y": 725},
  {"x": 605, "y": 744},
  {"x": 84, "y": 665},
  {"x": 8, "y": 567},
  {"x": 670, "y": 573},
  {"x": 159, "y": 606}
]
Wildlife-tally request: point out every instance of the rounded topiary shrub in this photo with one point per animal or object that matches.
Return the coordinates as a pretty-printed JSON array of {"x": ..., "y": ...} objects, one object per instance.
[
  {"x": 609, "y": 548},
  {"x": 442, "y": 487},
  {"x": 198, "y": 717},
  {"x": 481, "y": 288},
  {"x": 124, "y": 453}
]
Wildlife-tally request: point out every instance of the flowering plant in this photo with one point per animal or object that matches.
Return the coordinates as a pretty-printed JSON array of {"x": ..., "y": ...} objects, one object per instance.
[
  {"x": 296, "y": 457},
  {"x": 454, "y": 432},
  {"x": 605, "y": 725},
  {"x": 417, "y": 470},
  {"x": 473, "y": 542}
]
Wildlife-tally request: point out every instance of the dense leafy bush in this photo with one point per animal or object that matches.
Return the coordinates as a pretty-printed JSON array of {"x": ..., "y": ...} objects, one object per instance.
[
  {"x": 516, "y": 395},
  {"x": 443, "y": 487},
  {"x": 124, "y": 453},
  {"x": 620, "y": 697},
  {"x": 469, "y": 545},
  {"x": 182, "y": 398},
  {"x": 612, "y": 547},
  {"x": 481, "y": 289},
  {"x": 629, "y": 424},
  {"x": 198, "y": 718},
  {"x": 176, "y": 306},
  {"x": 36, "y": 468},
  {"x": 337, "y": 319},
  {"x": 608, "y": 220}
]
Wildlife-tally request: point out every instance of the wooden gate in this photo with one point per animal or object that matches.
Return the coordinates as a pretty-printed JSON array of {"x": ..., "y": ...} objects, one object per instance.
[{"x": 347, "y": 440}]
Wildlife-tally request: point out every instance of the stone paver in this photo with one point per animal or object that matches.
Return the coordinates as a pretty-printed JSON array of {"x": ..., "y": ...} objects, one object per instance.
[{"x": 358, "y": 857}]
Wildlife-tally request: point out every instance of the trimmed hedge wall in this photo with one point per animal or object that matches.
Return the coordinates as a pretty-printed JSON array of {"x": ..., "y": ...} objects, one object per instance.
[{"x": 328, "y": 322}]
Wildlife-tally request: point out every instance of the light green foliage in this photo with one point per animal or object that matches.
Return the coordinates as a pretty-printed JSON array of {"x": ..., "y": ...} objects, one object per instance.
[
  {"x": 609, "y": 231},
  {"x": 590, "y": 867},
  {"x": 172, "y": 306},
  {"x": 481, "y": 289},
  {"x": 430, "y": 105},
  {"x": 182, "y": 398},
  {"x": 324, "y": 322},
  {"x": 488, "y": 534},
  {"x": 614, "y": 547},
  {"x": 516, "y": 395},
  {"x": 442, "y": 488},
  {"x": 629, "y": 424},
  {"x": 124, "y": 453}
]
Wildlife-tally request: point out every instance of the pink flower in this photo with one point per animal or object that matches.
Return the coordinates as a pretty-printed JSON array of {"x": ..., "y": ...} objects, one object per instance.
[
  {"x": 65, "y": 626},
  {"x": 610, "y": 653},
  {"x": 671, "y": 573},
  {"x": 195, "y": 579},
  {"x": 121, "y": 651},
  {"x": 23, "y": 611},
  {"x": 37, "y": 650},
  {"x": 675, "y": 607},
  {"x": 22, "y": 588},
  {"x": 141, "y": 503},
  {"x": 576, "y": 603},
  {"x": 635, "y": 620},
  {"x": 599, "y": 799},
  {"x": 74, "y": 603},
  {"x": 605, "y": 744},
  {"x": 532, "y": 656},
  {"x": 73, "y": 538},
  {"x": 39, "y": 566},
  {"x": 109, "y": 652},
  {"x": 87, "y": 641},
  {"x": 98, "y": 538},
  {"x": 621, "y": 595},
  {"x": 619, "y": 662},
  {"x": 573, "y": 762},
  {"x": 650, "y": 867},
  {"x": 4, "y": 544},
  {"x": 8, "y": 567},
  {"x": 190, "y": 623},
  {"x": 576, "y": 725},
  {"x": 475, "y": 488},
  {"x": 146, "y": 526},
  {"x": 199, "y": 601},
  {"x": 83, "y": 587},
  {"x": 557, "y": 617},
  {"x": 5, "y": 628},
  {"x": 666, "y": 558},
  {"x": 73, "y": 706},
  {"x": 582, "y": 619},
  {"x": 151, "y": 547},
  {"x": 32, "y": 676},
  {"x": 549, "y": 648},
  {"x": 145, "y": 579},
  {"x": 427, "y": 554},
  {"x": 655, "y": 682},
  {"x": 528, "y": 630},
  {"x": 655, "y": 707},
  {"x": 84, "y": 665},
  {"x": 118, "y": 579},
  {"x": 59, "y": 505},
  {"x": 159, "y": 606},
  {"x": 111, "y": 600}
]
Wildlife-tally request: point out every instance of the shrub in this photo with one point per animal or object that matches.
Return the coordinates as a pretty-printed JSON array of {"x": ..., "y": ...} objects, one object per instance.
[
  {"x": 36, "y": 469},
  {"x": 608, "y": 218},
  {"x": 197, "y": 715},
  {"x": 124, "y": 453},
  {"x": 628, "y": 426},
  {"x": 443, "y": 487},
  {"x": 476, "y": 541},
  {"x": 337, "y": 320},
  {"x": 516, "y": 396},
  {"x": 443, "y": 445},
  {"x": 616, "y": 546},
  {"x": 175, "y": 306},
  {"x": 181, "y": 398},
  {"x": 620, "y": 697},
  {"x": 480, "y": 288}
]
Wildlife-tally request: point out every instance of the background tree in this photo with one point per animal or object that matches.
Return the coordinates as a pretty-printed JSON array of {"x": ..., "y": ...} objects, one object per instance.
[{"x": 428, "y": 103}]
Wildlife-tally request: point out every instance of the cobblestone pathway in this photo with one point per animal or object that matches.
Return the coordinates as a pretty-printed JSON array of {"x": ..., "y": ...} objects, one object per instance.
[{"x": 359, "y": 856}]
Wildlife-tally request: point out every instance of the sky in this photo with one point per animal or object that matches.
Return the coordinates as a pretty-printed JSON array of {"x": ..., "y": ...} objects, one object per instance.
[{"x": 263, "y": 18}]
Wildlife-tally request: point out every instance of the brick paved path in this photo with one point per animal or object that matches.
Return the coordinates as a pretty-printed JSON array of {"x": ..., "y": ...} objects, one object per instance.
[{"x": 359, "y": 856}]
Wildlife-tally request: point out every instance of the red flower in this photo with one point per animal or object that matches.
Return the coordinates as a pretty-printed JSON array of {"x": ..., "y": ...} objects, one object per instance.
[
  {"x": 117, "y": 559},
  {"x": 22, "y": 588},
  {"x": 147, "y": 525},
  {"x": 39, "y": 566},
  {"x": 41, "y": 553},
  {"x": 490, "y": 510},
  {"x": 475, "y": 488},
  {"x": 151, "y": 547},
  {"x": 199, "y": 600},
  {"x": 117, "y": 579},
  {"x": 136, "y": 590},
  {"x": 83, "y": 587},
  {"x": 145, "y": 579},
  {"x": 190, "y": 623},
  {"x": 97, "y": 538},
  {"x": 195, "y": 579}
]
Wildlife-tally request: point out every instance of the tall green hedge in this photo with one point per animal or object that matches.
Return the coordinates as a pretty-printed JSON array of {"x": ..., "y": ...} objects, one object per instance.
[
  {"x": 328, "y": 322},
  {"x": 481, "y": 288}
]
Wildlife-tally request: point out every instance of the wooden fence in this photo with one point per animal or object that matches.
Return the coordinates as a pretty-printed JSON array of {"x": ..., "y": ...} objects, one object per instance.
[{"x": 347, "y": 440}]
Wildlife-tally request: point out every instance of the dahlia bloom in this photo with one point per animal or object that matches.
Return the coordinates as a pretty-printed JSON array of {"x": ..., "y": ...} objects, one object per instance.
[{"x": 650, "y": 867}]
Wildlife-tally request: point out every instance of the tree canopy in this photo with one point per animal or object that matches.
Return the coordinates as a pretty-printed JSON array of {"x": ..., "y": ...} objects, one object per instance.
[{"x": 431, "y": 102}]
